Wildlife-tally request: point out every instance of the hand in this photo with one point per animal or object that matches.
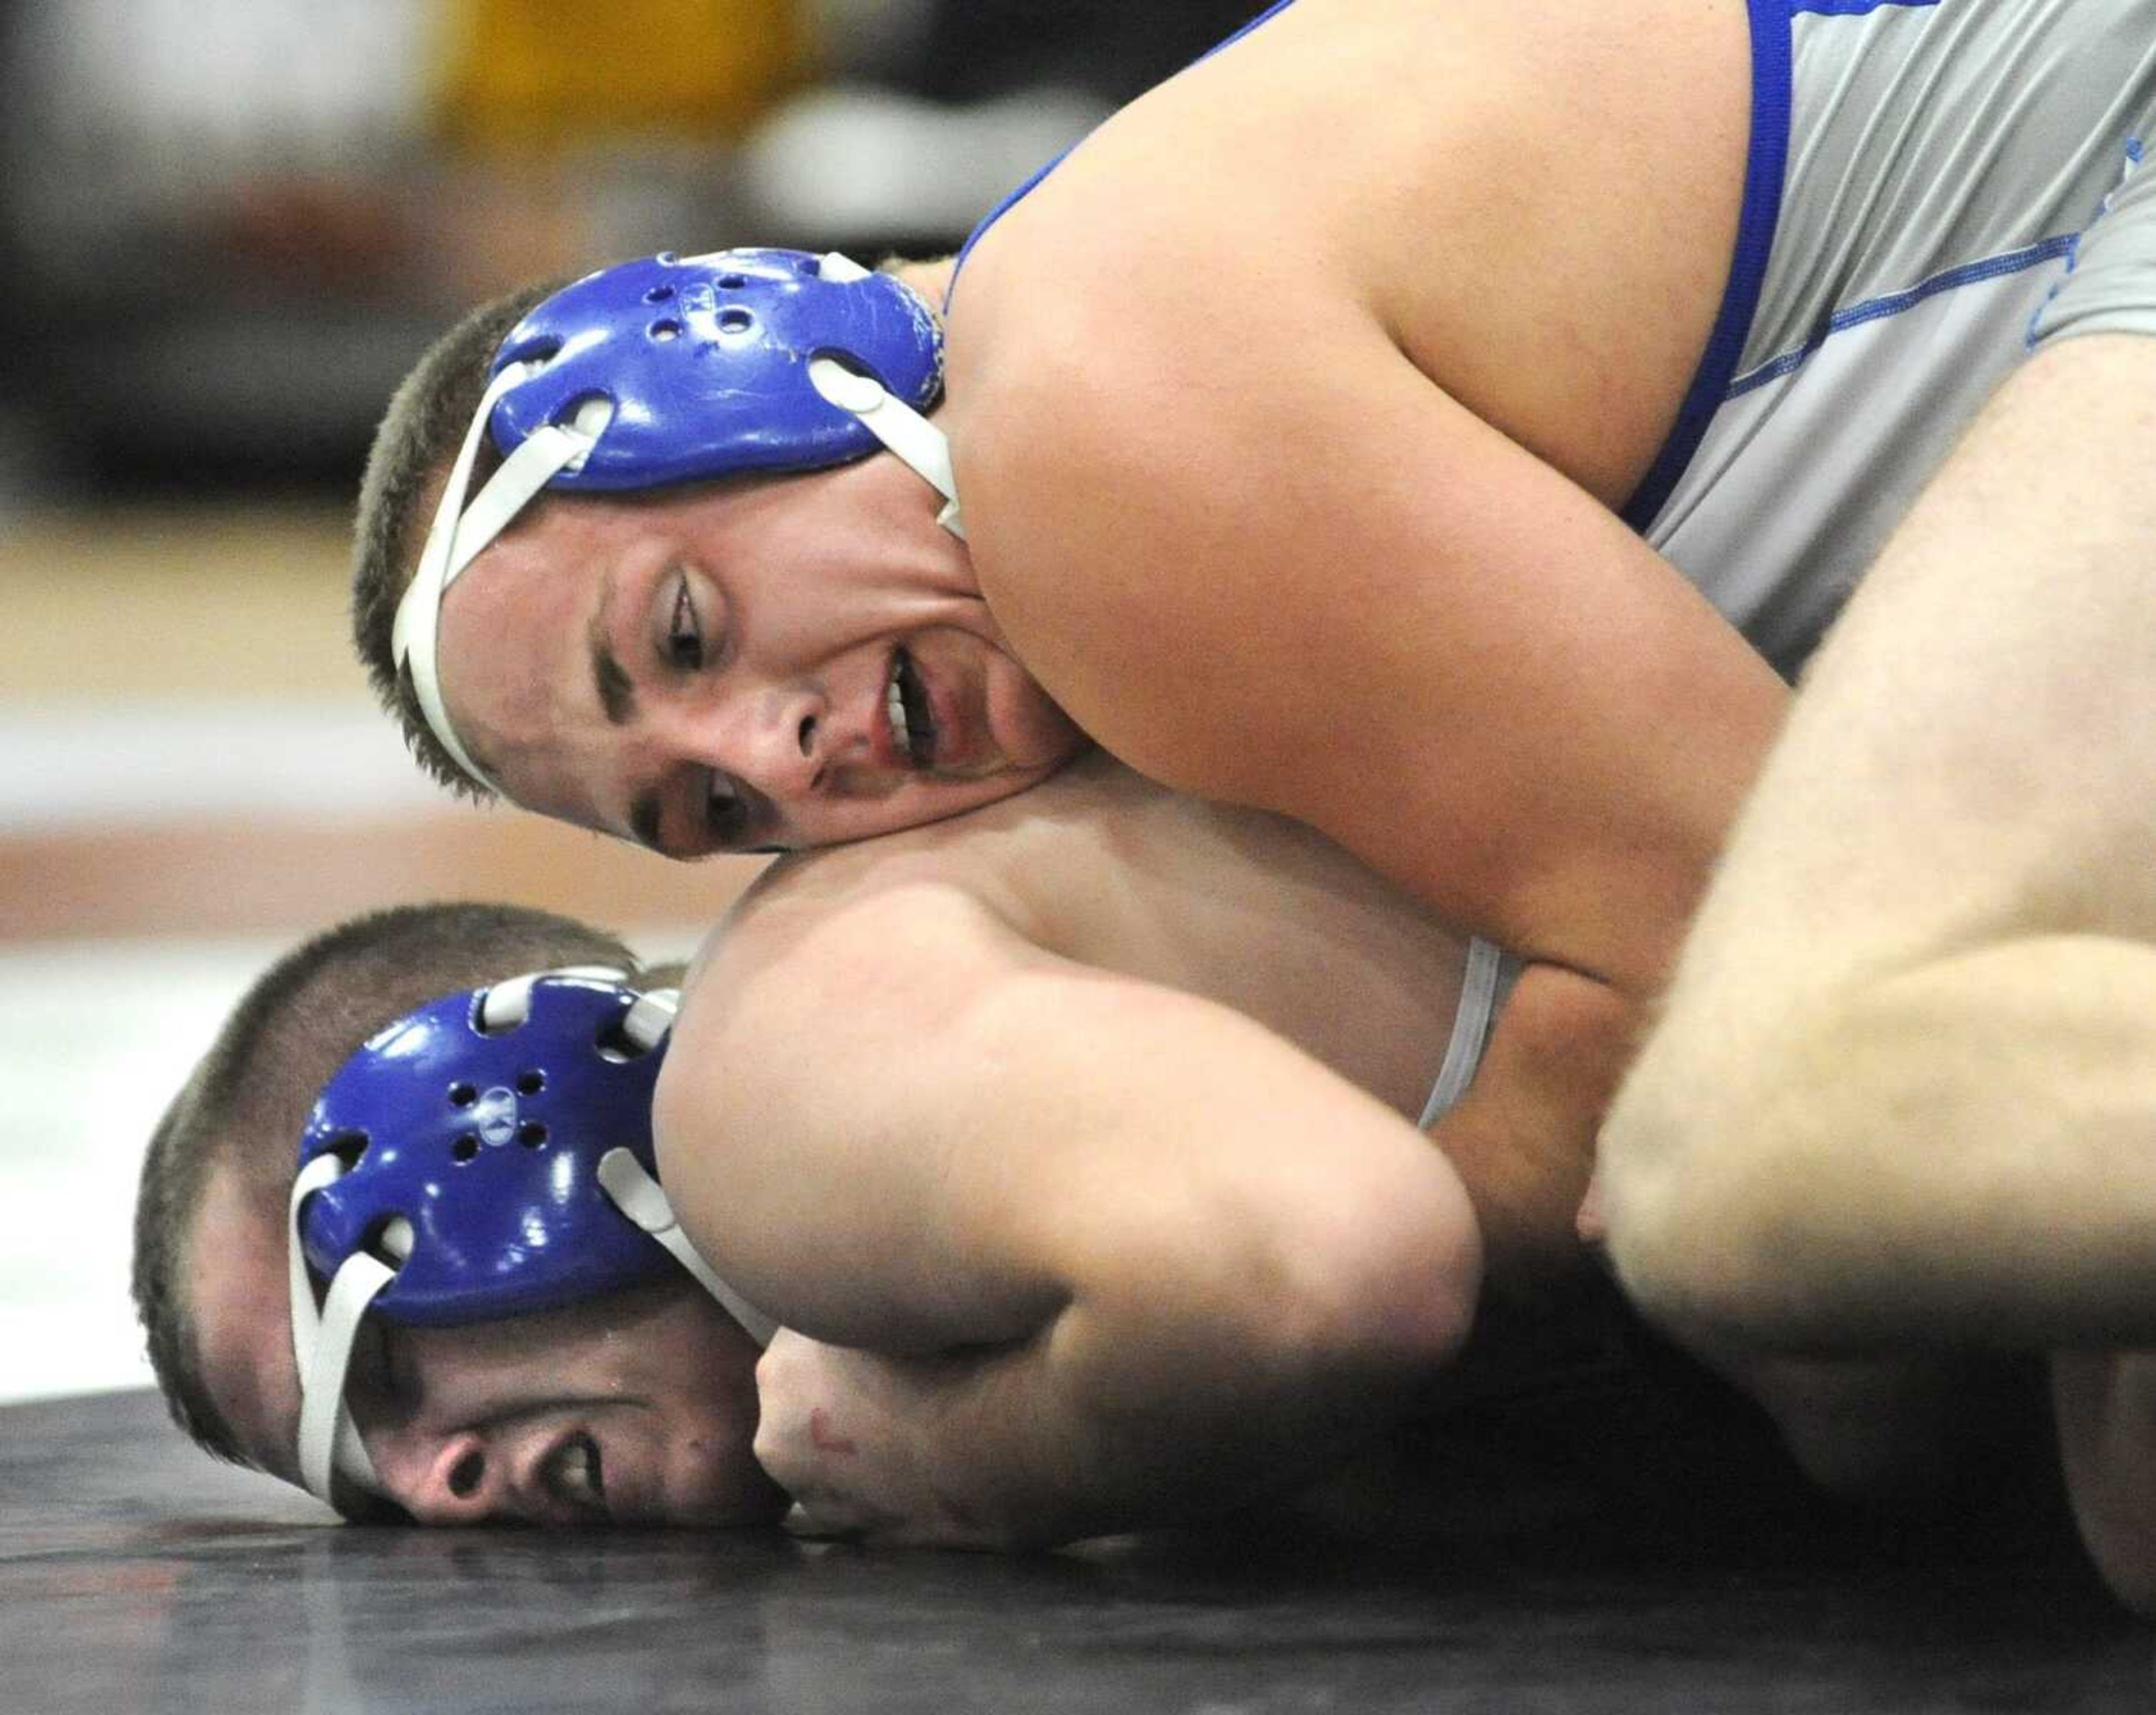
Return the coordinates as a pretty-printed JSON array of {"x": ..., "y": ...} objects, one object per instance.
[{"x": 846, "y": 1433}]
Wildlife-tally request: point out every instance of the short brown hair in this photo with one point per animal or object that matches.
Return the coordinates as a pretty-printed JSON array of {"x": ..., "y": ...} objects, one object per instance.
[
  {"x": 247, "y": 1102},
  {"x": 413, "y": 448}
]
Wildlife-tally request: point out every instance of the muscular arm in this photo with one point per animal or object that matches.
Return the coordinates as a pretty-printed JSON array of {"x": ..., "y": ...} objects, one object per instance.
[
  {"x": 1120, "y": 1254},
  {"x": 1362, "y": 606}
]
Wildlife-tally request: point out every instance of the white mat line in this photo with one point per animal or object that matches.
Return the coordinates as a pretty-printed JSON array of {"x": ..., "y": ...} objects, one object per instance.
[{"x": 66, "y": 770}]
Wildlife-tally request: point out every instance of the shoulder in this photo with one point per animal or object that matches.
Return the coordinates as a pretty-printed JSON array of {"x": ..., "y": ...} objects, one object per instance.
[
  {"x": 830, "y": 916},
  {"x": 1017, "y": 862},
  {"x": 1352, "y": 193},
  {"x": 824, "y": 991}
]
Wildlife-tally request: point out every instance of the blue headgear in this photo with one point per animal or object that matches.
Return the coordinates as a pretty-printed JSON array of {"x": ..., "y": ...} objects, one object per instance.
[
  {"x": 706, "y": 361},
  {"x": 671, "y": 369},
  {"x": 487, "y": 1156}
]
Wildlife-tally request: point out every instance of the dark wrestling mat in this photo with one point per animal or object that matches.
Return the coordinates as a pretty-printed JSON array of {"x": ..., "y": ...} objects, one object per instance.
[{"x": 136, "y": 1576}]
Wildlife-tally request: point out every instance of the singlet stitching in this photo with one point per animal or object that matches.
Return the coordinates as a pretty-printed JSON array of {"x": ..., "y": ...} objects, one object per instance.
[
  {"x": 2134, "y": 152},
  {"x": 1894, "y": 303}
]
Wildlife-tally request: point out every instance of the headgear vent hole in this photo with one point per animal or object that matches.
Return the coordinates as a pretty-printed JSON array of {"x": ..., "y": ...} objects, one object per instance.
[
  {"x": 665, "y": 328},
  {"x": 531, "y": 1134},
  {"x": 531, "y": 1083},
  {"x": 659, "y": 295},
  {"x": 465, "y": 1147},
  {"x": 616, "y": 1045},
  {"x": 732, "y": 282},
  {"x": 462, "y": 1094},
  {"x": 540, "y": 348},
  {"x": 390, "y": 1239},
  {"x": 497, "y": 1011},
  {"x": 347, "y": 1147}
]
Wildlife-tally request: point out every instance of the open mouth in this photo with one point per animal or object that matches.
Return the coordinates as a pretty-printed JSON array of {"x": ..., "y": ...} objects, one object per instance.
[
  {"x": 574, "y": 1475},
  {"x": 905, "y": 706}
]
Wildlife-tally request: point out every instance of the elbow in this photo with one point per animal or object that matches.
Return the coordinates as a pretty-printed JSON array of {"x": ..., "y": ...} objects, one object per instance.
[
  {"x": 1383, "y": 1288},
  {"x": 1715, "y": 1200}
]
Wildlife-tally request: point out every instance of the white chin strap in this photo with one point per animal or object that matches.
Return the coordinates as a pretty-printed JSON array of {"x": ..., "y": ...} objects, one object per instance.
[
  {"x": 330, "y": 1446},
  {"x": 459, "y": 533},
  {"x": 322, "y": 1339}
]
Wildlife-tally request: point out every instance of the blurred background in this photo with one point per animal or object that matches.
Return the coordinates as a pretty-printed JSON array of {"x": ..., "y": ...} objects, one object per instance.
[{"x": 226, "y": 227}]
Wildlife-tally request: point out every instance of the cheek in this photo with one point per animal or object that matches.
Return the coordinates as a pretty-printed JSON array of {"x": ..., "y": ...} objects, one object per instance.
[
  {"x": 713, "y": 1476},
  {"x": 1033, "y": 730}
]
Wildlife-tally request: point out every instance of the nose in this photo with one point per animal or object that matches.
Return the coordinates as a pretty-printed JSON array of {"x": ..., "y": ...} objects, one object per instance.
[
  {"x": 462, "y": 1481},
  {"x": 775, "y": 739}
]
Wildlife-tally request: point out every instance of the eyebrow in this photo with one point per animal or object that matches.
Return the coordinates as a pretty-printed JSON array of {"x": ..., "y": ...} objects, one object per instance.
[{"x": 617, "y": 695}]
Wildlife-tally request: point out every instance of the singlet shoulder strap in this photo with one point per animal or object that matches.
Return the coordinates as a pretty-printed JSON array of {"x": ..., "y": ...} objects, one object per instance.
[{"x": 1487, "y": 976}]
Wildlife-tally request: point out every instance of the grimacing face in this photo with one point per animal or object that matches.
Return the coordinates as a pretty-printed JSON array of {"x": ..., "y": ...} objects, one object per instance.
[
  {"x": 639, "y": 1408},
  {"x": 750, "y": 663}
]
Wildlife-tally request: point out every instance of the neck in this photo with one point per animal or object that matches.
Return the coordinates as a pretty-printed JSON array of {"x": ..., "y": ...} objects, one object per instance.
[{"x": 931, "y": 279}]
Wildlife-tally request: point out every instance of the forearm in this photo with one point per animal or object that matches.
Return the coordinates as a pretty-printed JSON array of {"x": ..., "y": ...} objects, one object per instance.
[
  {"x": 1523, "y": 1139},
  {"x": 1103, "y": 1423}
]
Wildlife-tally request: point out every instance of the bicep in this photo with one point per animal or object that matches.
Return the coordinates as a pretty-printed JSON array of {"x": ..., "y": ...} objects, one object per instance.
[
  {"x": 1359, "y": 604},
  {"x": 912, "y": 1129}
]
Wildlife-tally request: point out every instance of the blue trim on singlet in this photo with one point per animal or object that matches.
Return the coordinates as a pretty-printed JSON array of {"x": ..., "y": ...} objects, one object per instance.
[
  {"x": 1747, "y": 267},
  {"x": 1018, "y": 195},
  {"x": 1850, "y": 8},
  {"x": 993, "y": 215},
  {"x": 1894, "y": 303}
]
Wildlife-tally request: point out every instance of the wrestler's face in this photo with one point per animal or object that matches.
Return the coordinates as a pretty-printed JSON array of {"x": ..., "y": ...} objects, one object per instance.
[
  {"x": 639, "y": 1408},
  {"x": 776, "y": 663}
]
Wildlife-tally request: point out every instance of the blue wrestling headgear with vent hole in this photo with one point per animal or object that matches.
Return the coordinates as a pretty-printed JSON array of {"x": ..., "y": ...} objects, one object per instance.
[
  {"x": 487, "y": 1156},
  {"x": 673, "y": 369},
  {"x": 487, "y": 1142},
  {"x": 706, "y": 363}
]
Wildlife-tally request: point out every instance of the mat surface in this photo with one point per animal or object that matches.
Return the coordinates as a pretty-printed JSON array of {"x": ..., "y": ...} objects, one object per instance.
[{"x": 136, "y": 1576}]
